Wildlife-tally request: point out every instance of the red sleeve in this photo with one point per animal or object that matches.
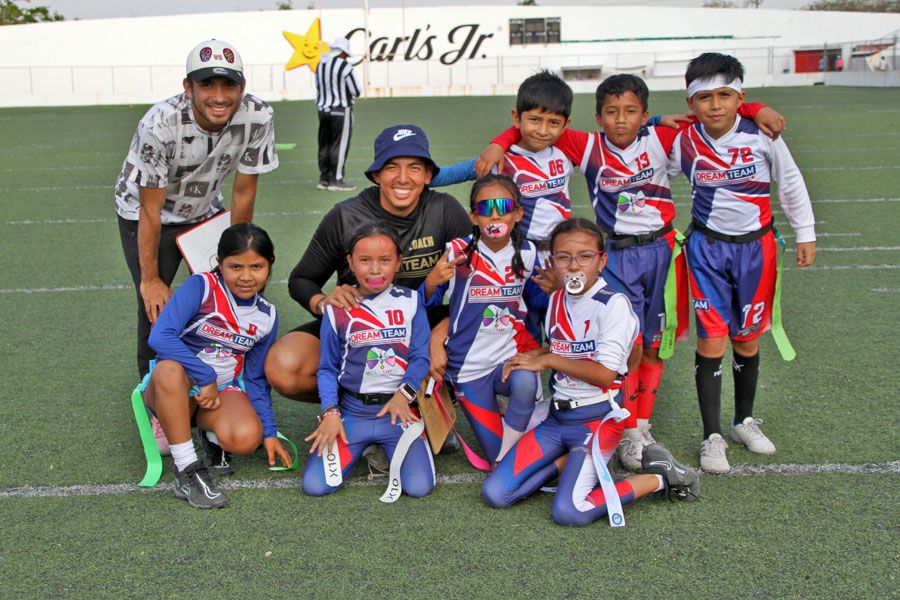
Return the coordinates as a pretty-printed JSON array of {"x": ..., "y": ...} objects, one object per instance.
[
  {"x": 749, "y": 109},
  {"x": 667, "y": 135},
  {"x": 572, "y": 143},
  {"x": 508, "y": 138}
]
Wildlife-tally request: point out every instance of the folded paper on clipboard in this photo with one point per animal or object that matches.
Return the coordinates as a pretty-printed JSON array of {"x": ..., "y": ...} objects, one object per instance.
[{"x": 200, "y": 244}]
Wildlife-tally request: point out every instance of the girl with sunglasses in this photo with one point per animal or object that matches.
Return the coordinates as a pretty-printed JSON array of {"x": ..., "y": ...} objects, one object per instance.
[
  {"x": 591, "y": 331},
  {"x": 487, "y": 276}
]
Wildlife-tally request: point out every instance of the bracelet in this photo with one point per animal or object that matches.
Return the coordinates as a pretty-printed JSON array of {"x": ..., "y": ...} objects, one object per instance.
[
  {"x": 331, "y": 410},
  {"x": 318, "y": 308}
]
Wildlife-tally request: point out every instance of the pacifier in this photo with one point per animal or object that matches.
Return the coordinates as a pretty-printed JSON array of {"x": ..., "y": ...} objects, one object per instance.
[
  {"x": 496, "y": 231},
  {"x": 574, "y": 282}
]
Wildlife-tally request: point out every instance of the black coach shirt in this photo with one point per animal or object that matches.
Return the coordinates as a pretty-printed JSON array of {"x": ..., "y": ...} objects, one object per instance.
[{"x": 437, "y": 219}]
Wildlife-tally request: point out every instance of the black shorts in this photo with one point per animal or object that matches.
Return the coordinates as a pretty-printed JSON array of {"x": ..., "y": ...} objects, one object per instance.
[{"x": 435, "y": 316}]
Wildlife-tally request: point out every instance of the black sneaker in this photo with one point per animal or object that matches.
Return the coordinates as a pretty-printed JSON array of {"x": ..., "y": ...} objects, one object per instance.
[
  {"x": 322, "y": 185},
  {"x": 341, "y": 186},
  {"x": 682, "y": 483},
  {"x": 197, "y": 486},
  {"x": 217, "y": 460}
]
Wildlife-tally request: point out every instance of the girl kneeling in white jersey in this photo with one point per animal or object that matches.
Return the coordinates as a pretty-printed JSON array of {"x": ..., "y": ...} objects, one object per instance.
[{"x": 591, "y": 331}]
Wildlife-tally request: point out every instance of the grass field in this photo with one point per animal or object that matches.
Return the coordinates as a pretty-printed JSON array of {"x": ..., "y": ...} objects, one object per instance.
[{"x": 819, "y": 519}]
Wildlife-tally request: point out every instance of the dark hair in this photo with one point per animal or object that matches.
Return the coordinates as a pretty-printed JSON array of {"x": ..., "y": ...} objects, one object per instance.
[
  {"x": 578, "y": 224},
  {"x": 373, "y": 229},
  {"x": 241, "y": 237},
  {"x": 617, "y": 85},
  {"x": 710, "y": 64},
  {"x": 545, "y": 91},
  {"x": 515, "y": 236}
]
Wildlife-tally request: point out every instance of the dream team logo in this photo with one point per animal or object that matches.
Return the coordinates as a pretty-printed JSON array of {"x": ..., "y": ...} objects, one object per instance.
[
  {"x": 577, "y": 349},
  {"x": 373, "y": 337},
  {"x": 490, "y": 293},
  {"x": 211, "y": 332},
  {"x": 381, "y": 361},
  {"x": 539, "y": 188},
  {"x": 496, "y": 320},
  {"x": 612, "y": 183},
  {"x": 724, "y": 177}
]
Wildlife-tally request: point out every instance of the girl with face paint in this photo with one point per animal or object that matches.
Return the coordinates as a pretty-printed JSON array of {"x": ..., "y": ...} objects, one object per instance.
[{"x": 487, "y": 277}]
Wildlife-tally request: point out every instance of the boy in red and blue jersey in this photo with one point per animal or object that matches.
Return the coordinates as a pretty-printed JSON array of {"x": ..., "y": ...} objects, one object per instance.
[{"x": 732, "y": 245}]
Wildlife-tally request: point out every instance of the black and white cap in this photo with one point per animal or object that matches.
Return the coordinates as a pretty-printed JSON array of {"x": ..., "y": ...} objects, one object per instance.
[{"x": 215, "y": 58}]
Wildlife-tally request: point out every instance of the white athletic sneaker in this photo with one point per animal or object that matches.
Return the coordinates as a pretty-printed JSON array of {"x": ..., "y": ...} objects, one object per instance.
[
  {"x": 712, "y": 454},
  {"x": 631, "y": 449},
  {"x": 646, "y": 438},
  {"x": 749, "y": 434}
]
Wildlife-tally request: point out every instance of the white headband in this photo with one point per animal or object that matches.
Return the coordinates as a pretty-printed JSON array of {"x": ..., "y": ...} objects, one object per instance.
[{"x": 708, "y": 84}]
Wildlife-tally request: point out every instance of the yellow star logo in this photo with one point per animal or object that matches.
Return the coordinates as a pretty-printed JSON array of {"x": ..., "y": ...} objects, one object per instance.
[{"x": 307, "y": 48}]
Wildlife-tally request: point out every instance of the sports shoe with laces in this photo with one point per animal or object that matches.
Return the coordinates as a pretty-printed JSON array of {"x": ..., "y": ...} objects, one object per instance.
[
  {"x": 646, "y": 438},
  {"x": 218, "y": 461},
  {"x": 682, "y": 482},
  {"x": 749, "y": 434},
  {"x": 631, "y": 449},
  {"x": 340, "y": 186},
  {"x": 162, "y": 444},
  {"x": 712, "y": 454},
  {"x": 322, "y": 185},
  {"x": 377, "y": 461},
  {"x": 198, "y": 487}
]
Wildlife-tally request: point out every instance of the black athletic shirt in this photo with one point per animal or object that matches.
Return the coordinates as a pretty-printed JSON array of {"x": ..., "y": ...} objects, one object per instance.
[{"x": 438, "y": 219}]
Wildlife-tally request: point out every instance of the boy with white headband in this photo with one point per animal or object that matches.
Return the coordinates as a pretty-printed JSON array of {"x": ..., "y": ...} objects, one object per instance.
[{"x": 733, "y": 252}]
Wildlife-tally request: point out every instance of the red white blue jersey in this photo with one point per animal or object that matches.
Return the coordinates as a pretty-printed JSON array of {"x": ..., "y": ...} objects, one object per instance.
[
  {"x": 629, "y": 187},
  {"x": 219, "y": 338},
  {"x": 487, "y": 308},
  {"x": 543, "y": 180},
  {"x": 375, "y": 348},
  {"x": 731, "y": 176},
  {"x": 598, "y": 325}
]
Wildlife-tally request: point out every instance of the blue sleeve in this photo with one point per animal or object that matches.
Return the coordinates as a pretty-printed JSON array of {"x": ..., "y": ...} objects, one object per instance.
[
  {"x": 535, "y": 298},
  {"x": 256, "y": 384},
  {"x": 452, "y": 174},
  {"x": 654, "y": 121},
  {"x": 329, "y": 362},
  {"x": 165, "y": 337},
  {"x": 437, "y": 298},
  {"x": 419, "y": 359}
]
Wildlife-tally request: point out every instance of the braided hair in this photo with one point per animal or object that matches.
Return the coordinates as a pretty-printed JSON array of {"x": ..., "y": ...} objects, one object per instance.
[{"x": 516, "y": 235}]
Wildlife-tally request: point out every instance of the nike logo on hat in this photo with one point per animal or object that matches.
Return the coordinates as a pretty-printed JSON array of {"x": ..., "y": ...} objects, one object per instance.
[{"x": 403, "y": 133}]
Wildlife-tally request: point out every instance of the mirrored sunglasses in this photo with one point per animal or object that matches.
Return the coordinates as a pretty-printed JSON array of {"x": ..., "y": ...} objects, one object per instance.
[{"x": 503, "y": 206}]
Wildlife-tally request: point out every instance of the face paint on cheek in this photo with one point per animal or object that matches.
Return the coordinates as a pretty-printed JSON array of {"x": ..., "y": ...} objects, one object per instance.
[
  {"x": 574, "y": 282},
  {"x": 495, "y": 231}
]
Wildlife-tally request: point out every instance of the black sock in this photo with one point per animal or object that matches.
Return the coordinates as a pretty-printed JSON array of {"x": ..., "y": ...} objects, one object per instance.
[
  {"x": 708, "y": 375},
  {"x": 746, "y": 373}
]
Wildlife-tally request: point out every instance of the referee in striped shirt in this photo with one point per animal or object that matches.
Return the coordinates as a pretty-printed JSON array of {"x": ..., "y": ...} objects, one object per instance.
[{"x": 336, "y": 86}]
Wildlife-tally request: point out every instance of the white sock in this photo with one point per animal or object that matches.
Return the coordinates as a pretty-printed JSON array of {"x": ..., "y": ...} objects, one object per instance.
[
  {"x": 183, "y": 454},
  {"x": 642, "y": 423},
  {"x": 211, "y": 436},
  {"x": 661, "y": 483},
  {"x": 510, "y": 437}
]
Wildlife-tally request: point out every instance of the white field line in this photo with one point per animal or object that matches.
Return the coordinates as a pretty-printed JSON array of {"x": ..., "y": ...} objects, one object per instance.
[
  {"x": 293, "y": 482},
  {"x": 888, "y": 290},
  {"x": 844, "y": 268},
  {"x": 825, "y": 235},
  {"x": 859, "y": 249}
]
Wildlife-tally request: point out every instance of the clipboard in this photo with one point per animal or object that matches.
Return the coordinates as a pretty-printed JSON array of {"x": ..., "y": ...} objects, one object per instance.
[{"x": 199, "y": 244}]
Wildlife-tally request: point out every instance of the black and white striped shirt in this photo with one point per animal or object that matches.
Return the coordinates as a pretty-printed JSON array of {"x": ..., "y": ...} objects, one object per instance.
[{"x": 336, "y": 83}]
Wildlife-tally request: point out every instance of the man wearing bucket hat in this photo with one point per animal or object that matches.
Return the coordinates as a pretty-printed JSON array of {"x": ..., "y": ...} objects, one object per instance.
[
  {"x": 182, "y": 151},
  {"x": 424, "y": 220},
  {"x": 336, "y": 87}
]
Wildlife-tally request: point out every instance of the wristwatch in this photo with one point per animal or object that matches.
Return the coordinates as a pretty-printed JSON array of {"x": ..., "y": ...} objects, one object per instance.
[{"x": 409, "y": 392}]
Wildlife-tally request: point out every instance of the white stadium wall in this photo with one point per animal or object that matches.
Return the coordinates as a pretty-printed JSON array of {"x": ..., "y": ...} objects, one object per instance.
[{"x": 419, "y": 51}]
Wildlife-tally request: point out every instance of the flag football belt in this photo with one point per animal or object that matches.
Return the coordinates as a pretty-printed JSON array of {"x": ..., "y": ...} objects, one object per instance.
[
  {"x": 607, "y": 396},
  {"x": 639, "y": 239},
  {"x": 734, "y": 239},
  {"x": 368, "y": 399}
]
